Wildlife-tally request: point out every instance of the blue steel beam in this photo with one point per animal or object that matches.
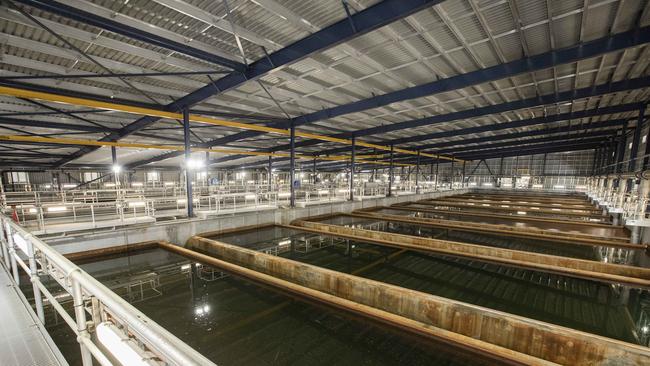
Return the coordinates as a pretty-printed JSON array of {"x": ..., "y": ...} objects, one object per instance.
[
  {"x": 564, "y": 137},
  {"x": 607, "y": 43},
  {"x": 546, "y": 131},
  {"x": 76, "y": 94},
  {"x": 505, "y": 107},
  {"x": 54, "y": 125},
  {"x": 367, "y": 20},
  {"x": 510, "y": 106},
  {"x": 543, "y": 61},
  {"x": 600, "y": 125},
  {"x": 527, "y": 149},
  {"x": 78, "y": 15}
]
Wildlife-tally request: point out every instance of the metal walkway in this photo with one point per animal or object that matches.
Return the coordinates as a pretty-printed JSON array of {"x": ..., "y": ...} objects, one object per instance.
[{"x": 23, "y": 340}]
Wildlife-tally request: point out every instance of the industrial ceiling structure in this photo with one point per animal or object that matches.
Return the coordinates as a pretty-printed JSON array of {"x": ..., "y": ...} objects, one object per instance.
[{"x": 468, "y": 79}]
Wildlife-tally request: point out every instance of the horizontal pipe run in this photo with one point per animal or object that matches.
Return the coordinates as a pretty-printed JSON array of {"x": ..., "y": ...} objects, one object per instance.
[
  {"x": 546, "y": 235},
  {"x": 404, "y": 207},
  {"x": 503, "y": 336},
  {"x": 572, "y": 267},
  {"x": 29, "y": 94}
]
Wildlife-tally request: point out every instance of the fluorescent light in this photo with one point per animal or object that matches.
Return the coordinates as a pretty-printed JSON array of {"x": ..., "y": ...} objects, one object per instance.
[
  {"x": 521, "y": 212},
  {"x": 537, "y": 186},
  {"x": 194, "y": 164},
  {"x": 472, "y": 184},
  {"x": 558, "y": 186},
  {"x": 250, "y": 182},
  {"x": 136, "y": 184},
  {"x": 185, "y": 267},
  {"x": 486, "y": 184},
  {"x": 109, "y": 185},
  {"x": 505, "y": 206},
  {"x": 284, "y": 242},
  {"x": 48, "y": 186},
  {"x": 284, "y": 194},
  {"x": 137, "y": 204},
  {"x": 323, "y": 191},
  {"x": 57, "y": 209},
  {"x": 250, "y": 197},
  {"x": 120, "y": 345},
  {"x": 33, "y": 210},
  {"x": 169, "y": 184},
  {"x": 69, "y": 185},
  {"x": 117, "y": 168},
  {"x": 343, "y": 190}
]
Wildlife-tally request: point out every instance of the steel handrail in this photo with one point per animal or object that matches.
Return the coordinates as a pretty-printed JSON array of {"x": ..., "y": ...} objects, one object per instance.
[{"x": 82, "y": 286}]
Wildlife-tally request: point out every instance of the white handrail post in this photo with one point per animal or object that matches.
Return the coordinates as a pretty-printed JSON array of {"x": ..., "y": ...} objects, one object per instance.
[
  {"x": 33, "y": 277},
  {"x": 80, "y": 317},
  {"x": 12, "y": 253}
]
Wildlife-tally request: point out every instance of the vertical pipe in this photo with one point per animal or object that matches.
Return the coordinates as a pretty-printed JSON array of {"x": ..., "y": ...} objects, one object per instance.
[
  {"x": 207, "y": 170},
  {"x": 313, "y": 168},
  {"x": 292, "y": 164},
  {"x": 462, "y": 183},
  {"x": 621, "y": 149},
  {"x": 390, "y": 173},
  {"x": 594, "y": 164},
  {"x": 80, "y": 317},
  {"x": 435, "y": 186},
  {"x": 646, "y": 158},
  {"x": 417, "y": 174},
  {"x": 352, "y": 161},
  {"x": 188, "y": 154},
  {"x": 12, "y": 254},
  {"x": 270, "y": 173},
  {"x": 33, "y": 277},
  {"x": 636, "y": 140},
  {"x": 5, "y": 243},
  {"x": 452, "y": 172}
]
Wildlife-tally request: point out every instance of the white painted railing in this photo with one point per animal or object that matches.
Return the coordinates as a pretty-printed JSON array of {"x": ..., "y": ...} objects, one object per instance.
[{"x": 94, "y": 304}]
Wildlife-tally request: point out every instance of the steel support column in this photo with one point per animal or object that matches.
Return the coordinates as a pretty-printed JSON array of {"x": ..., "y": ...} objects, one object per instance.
[
  {"x": 636, "y": 140},
  {"x": 462, "y": 183},
  {"x": 292, "y": 165},
  {"x": 417, "y": 174},
  {"x": 188, "y": 155},
  {"x": 435, "y": 186},
  {"x": 270, "y": 178},
  {"x": 352, "y": 161},
  {"x": 390, "y": 173},
  {"x": 621, "y": 150}
]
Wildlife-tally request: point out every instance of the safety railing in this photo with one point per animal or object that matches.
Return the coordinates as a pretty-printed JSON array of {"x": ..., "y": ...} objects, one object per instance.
[{"x": 107, "y": 326}]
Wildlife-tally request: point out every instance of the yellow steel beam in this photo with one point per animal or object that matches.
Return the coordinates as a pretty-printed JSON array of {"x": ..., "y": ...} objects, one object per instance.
[
  {"x": 132, "y": 145},
  {"x": 29, "y": 94}
]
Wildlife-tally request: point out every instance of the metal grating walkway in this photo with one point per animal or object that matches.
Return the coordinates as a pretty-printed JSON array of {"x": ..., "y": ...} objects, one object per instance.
[{"x": 23, "y": 341}]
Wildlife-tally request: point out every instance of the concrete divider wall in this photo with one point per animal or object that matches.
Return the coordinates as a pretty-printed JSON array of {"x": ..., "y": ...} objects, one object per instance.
[{"x": 179, "y": 231}]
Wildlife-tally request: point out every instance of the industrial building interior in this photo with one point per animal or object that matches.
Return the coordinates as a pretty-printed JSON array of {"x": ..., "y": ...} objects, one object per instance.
[{"x": 324, "y": 182}]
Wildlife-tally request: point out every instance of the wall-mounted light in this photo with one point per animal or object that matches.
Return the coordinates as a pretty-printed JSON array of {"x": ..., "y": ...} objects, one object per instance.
[{"x": 117, "y": 168}]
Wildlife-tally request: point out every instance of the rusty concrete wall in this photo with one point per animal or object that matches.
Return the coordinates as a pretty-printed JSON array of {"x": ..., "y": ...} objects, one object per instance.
[
  {"x": 530, "y": 337},
  {"x": 635, "y": 276}
]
